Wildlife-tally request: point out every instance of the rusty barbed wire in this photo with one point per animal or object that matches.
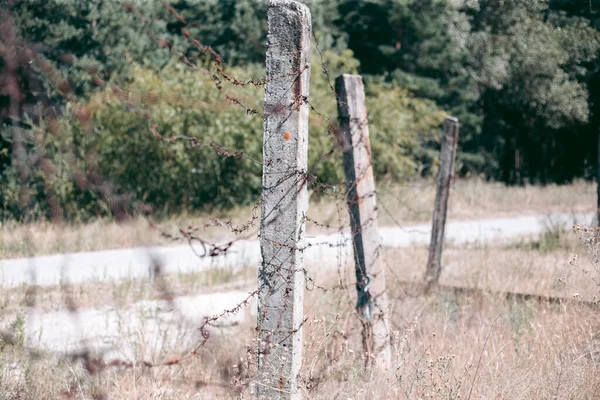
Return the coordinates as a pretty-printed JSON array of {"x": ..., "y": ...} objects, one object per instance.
[{"x": 120, "y": 203}]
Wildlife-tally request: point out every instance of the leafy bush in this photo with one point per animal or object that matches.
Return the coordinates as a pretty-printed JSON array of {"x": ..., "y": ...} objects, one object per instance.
[
  {"x": 136, "y": 141},
  {"x": 173, "y": 103}
]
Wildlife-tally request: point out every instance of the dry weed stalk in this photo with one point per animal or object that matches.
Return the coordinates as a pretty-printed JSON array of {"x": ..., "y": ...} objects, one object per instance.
[{"x": 590, "y": 238}]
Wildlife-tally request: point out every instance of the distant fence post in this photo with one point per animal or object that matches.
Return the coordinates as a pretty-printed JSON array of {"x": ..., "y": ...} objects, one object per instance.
[
  {"x": 284, "y": 200},
  {"x": 446, "y": 171},
  {"x": 360, "y": 184}
]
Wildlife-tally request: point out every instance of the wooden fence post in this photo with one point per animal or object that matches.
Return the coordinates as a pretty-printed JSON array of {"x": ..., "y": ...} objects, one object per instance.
[
  {"x": 445, "y": 174},
  {"x": 360, "y": 184},
  {"x": 284, "y": 200}
]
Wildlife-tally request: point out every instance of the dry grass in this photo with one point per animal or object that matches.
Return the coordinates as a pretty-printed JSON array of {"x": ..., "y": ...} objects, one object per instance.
[
  {"x": 470, "y": 199},
  {"x": 121, "y": 293},
  {"x": 399, "y": 205},
  {"x": 447, "y": 345},
  {"x": 533, "y": 351},
  {"x": 528, "y": 350},
  {"x": 541, "y": 265},
  {"x": 516, "y": 268}
]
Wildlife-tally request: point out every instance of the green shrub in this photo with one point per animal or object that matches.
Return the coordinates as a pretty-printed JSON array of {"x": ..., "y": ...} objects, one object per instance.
[{"x": 132, "y": 138}]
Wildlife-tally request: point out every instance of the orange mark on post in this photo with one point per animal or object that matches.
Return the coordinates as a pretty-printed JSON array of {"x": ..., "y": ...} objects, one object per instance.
[{"x": 287, "y": 136}]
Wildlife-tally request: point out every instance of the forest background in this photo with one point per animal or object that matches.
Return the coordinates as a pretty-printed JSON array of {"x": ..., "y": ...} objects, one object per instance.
[{"x": 101, "y": 89}]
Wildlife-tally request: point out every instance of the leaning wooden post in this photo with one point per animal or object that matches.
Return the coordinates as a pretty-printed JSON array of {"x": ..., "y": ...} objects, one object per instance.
[
  {"x": 284, "y": 200},
  {"x": 445, "y": 174},
  {"x": 360, "y": 184}
]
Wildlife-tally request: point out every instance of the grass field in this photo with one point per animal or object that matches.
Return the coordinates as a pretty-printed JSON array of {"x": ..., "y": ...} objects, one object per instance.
[
  {"x": 474, "y": 342},
  {"x": 398, "y": 205},
  {"x": 446, "y": 344}
]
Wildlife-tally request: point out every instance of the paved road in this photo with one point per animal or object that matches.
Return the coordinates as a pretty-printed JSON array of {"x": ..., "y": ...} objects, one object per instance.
[
  {"x": 141, "y": 331},
  {"x": 137, "y": 263},
  {"x": 146, "y": 328}
]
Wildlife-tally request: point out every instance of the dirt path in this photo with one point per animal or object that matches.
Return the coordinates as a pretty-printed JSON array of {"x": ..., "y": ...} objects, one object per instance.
[
  {"x": 139, "y": 262},
  {"x": 160, "y": 324}
]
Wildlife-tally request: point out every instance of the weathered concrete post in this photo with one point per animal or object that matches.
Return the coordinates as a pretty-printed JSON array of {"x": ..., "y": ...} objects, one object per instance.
[
  {"x": 446, "y": 171},
  {"x": 284, "y": 200},
  {"x": 360, "y": 184}
]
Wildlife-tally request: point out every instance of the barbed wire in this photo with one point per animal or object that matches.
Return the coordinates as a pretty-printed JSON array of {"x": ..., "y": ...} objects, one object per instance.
[{"x": 120, "y": 203}]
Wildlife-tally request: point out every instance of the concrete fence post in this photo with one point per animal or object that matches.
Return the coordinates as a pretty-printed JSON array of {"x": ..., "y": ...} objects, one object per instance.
[
  {"x": 360, "y": 184},
  {"x": 440, "y": 209},
  {"x": 284, "y": 200}
]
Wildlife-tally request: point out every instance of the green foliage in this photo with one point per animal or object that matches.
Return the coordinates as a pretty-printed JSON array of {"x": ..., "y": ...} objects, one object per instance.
[
  {"x": 138, "y": 140},
  {"x": 172, "y": 176},
  {"x": 51, "y": 187},
  {"x": 399, "y": 123},
  {"x": 419, "y": 45},
  {"x": 528, "y": 65},
  {"x": 534, "y": 62},
  {"x": 83, "y": 36},
  {"x": 179, "y": 102},
  {"x": 523, "y": 77}
]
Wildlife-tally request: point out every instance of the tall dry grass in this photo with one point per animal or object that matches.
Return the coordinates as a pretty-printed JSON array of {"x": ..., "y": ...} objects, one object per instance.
[
  {"x": 447, "y": 345},
  {"x": 409, "y": 203}
]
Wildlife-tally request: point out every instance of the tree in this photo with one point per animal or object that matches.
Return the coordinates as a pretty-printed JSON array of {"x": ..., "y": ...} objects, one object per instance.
[
  {"x": 582, "y": 12},
  {"x": 528, "y": 66},
  {"x": 419, "y": 45}
]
